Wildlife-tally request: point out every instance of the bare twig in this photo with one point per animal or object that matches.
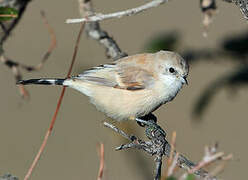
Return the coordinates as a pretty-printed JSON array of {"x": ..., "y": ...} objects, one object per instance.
[
  {"x": 49, "y": 131},
  {"x": 158, "y": 146},
  {"x": 210, "y": 156},
  {"x": 172, "y": 161},
  {"x": 172, "y": 167},
  {"x": 207, "y": 161},
  {"x": 16, "y": 66},
  {"x": 52, "y": 44},
  {"x": 173, "y": 145},
  {"x": 94, "y": 31},
  {"x": 101, "y": 167},
  {"x": 221, "y": 166},
  {"x": 17, "y": 74},
  {"x": 128, "y": 12}
]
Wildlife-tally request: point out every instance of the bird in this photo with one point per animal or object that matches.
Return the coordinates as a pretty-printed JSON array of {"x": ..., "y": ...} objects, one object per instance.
[{"x": 131, "y": 87}]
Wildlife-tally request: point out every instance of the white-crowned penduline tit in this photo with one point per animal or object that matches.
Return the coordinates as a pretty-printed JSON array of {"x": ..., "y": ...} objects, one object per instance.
[{"x": 130, "y": 87}]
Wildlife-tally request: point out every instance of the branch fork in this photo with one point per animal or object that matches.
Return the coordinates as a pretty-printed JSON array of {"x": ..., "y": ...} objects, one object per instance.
[{"x": 157, "y": 146}]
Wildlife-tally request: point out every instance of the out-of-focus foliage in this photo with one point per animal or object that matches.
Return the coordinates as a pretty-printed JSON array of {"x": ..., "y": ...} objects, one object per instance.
[
  {"x": 232, "y": 48},
  {"x": 237, "y": 45},
  {"x": 235, "y": 48},
  {"x": 231, "y": 79},
  {"x": 7, "y": 13},
  {"x": 188, "y": 177},
  {"x": 7, "y": 26},
  {"x": 171, "y": 178},
  {"x": 165, "y": 41}
]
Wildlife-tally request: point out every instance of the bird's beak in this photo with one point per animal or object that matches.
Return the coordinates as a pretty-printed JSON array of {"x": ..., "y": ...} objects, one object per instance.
[{"x": 184, "y": 80}]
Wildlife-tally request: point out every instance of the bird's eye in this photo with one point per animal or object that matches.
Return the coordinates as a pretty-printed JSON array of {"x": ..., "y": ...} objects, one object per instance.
[{"x": 172, "y": 70}]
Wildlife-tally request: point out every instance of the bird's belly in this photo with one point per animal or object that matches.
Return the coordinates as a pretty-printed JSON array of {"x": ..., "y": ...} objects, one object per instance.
[{"x": 122, "y": 104}]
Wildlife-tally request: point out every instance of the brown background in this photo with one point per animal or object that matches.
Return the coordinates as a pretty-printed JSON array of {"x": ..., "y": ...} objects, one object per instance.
[{"x": 71, "y": 152}]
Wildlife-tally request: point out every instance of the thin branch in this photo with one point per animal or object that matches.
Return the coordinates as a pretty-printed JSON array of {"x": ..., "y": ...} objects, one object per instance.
[
  {"x": 52, "y": 46},
  {"x": 17, "y": 74},
  {"x": 211, "y": 155},
  {"x": 101, "y": 167},
  {"x": 128, "y": 12},
  {"x": 53, "y": 41},
  {"x": 49, "y": 131},
  {"x": 221, "y": 166},
  {"x": 173, "y": 145},
  {"x": 172, "y": 160},
  {"x": 172, "y": 167},
  {"x": 94, "y": 31},
  {"x": 158, "y": 146},
  {"x": 16, "y": 66}
]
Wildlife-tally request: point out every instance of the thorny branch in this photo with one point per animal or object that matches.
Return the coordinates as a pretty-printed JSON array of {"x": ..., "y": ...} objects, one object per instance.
[
  {"x": 158, "y": 146},
  {"x": 128, "y": 12}
]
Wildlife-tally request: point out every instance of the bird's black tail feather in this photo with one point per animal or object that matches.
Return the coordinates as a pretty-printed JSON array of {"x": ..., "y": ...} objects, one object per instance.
[{"x": 42, "y": 81}]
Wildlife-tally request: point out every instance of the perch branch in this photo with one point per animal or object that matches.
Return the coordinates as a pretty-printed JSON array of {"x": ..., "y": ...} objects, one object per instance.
[
  {"x": 128, "y": 12},
  {"x": 95, "y": 32},
  {"x": 158, "y": 146}
]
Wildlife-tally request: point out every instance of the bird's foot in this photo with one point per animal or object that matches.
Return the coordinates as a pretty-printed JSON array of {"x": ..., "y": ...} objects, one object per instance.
[
  {"x": 149, "y": 117},
  {"x": 153, "y": 130}
]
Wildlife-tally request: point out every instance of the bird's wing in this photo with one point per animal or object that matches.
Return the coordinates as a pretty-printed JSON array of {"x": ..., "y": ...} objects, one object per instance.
[
  {"x": 123, "y": 75},
  {"x": 103, "y": 75},
  {"x": 133, "y": 77}
]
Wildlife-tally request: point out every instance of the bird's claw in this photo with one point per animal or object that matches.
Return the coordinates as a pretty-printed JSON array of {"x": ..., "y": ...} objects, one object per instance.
[{"x": 153, "y": 130}]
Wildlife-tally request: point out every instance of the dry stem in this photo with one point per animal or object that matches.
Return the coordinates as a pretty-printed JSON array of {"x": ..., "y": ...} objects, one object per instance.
[
  {"x": 128, "y": 12},
  {"x": 49, "y": 131}
]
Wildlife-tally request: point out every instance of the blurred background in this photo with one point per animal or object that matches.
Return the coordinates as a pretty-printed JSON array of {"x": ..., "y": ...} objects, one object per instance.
[{"x": 213, "y": 108}]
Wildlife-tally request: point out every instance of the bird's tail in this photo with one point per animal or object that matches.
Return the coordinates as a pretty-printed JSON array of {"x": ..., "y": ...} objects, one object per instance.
[{"x": 42, "y": 81}]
